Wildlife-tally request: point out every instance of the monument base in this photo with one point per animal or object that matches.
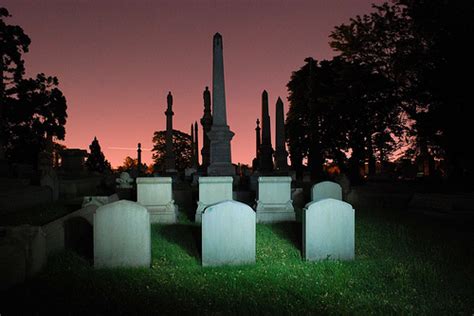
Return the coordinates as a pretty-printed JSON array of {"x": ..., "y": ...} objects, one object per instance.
[
  {"x": 165, "y": 214},
  {"x": 271, "y": 213},
  {"x": 221, "y": 169}
]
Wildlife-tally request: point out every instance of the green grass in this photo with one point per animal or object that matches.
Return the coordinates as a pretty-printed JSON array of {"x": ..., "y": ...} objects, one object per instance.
[{"x": 403, "y": 266}]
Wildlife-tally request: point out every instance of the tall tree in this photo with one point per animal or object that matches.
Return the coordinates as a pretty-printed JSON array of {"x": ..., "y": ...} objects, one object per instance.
[
  {"x": 182, "y": 149},
  {"x": 96, "y": 160}
]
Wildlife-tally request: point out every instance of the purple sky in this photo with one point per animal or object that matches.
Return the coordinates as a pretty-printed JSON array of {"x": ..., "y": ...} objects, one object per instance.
[{"x": 117, "y": 60}]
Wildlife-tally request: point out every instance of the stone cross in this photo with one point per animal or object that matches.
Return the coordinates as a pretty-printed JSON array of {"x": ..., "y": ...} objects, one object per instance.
[
  {"x": 206, "y": 122},
  {"x": 266, "y": 150},
  {"x": 281, "y": 155},
  {"x": 170, "y": 162},
  {"x": 220, "y": 134}
]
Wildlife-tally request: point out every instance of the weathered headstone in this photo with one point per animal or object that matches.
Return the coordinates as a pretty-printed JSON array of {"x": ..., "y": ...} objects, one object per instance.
[
  {"x": 274, "y": 202},
  {"x": 99, "y": 200},
  {"x": 212, "y": 190},
  {"x": 328, "y": 230},
  {"x": 326, "y": 190},
  {"x": 122, "y": 235},
  {"x": 156, "y": 194},
  {"x": 124, "y": 181},
  {"x": 228, "y": 234}
]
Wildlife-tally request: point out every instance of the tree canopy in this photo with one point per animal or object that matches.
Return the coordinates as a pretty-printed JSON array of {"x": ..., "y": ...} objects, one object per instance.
[
  {"x": 181, "y": 147},
  {"x": 31, "y": 109}
]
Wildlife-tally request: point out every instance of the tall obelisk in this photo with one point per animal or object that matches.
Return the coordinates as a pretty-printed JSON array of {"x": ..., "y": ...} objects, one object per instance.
[
  {"x": 170, "y": 159},
  {"x": 220, "y": 134},
  {"x": 206, "y": 122},
  {"x": 281, "y": 155},
  {"x": 266, "y": 150}
]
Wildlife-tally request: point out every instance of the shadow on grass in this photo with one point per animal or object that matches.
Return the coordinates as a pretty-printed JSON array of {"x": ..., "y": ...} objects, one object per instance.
[
  {"x": 291, "y": 231},
  {"x": 186, "y": 236}
]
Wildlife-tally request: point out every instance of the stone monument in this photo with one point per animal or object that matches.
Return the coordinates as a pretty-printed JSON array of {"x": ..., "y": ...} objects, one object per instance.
[
  {"x": 139, "y": 159},
  {"x": 266, "y": 150},
  {"x": 281, "y": 155},
  {"x": 156, "y": 194},
  {"x": 220, "y": 135},
  {"x": 206, "y": 122},
  {"x": 328, "y": 230},
  {"x": 256, "y": 160},
  {"x": 170, "y": 159}
]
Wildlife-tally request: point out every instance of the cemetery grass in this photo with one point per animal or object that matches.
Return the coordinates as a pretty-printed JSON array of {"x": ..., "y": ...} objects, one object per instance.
[{"x": 403, "y": 266}]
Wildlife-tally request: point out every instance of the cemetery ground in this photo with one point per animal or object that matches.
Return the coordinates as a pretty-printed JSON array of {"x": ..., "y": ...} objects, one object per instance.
[{"x": 405, "y": 263}]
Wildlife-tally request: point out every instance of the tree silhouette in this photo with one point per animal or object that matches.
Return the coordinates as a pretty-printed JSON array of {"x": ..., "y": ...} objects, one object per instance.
[
  {"x": 30, "y": 109},
  {"x": 96, "y": 160},
  {"x": 130, "y": 164},
  {"x": 181, "y": 147},
  {"x": 417, "y": 45}
]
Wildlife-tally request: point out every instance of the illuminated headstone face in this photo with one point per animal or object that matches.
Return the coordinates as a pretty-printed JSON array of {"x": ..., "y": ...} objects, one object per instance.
[
  {"x": 274, "y": 202},
  {"x": 328, "y": 230},
  {"x": 122, "y": 235},
  {"x": 228, "y": 234},
  {"x": 326, "y": 190},
  {"x": 212, "y": 190},
  {"x": 156, "y": 194}
]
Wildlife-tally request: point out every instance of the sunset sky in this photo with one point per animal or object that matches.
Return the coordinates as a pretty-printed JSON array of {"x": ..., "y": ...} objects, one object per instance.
[{"x": 117, "y": 60}]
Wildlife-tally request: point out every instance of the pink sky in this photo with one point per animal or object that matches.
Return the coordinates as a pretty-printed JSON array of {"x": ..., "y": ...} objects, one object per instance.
[{"x": 117, "y": 60}]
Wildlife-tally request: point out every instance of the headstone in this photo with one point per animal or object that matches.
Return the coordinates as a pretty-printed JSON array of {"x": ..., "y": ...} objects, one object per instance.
[
  {"x": 220, "y": 135},
  {"x": 212, "y": 190},
  {"x": 297, "y": 195},
  {"x": 125, "y": 181},
  {"x": 274, "y": 202},
  {"x": 122, "y": 235},
  {"x": 328, "y": 230},
  {"x": 156, "y": 194},
  {"x": 99, "y": 200},
  {"x": 326, "y": 190},
  {"x": 228, "y": 234}
]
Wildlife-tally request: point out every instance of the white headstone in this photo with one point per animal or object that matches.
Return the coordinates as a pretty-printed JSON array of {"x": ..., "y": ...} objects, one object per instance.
[
  {"x": 326, "y": 190},
  {"x": 228, "y": 234},
  {"x": 274, "y": 202},
  {"x": 122, "y": 235},
  {"x": 125, "y": 181},
  {"x": 212, "y": 190},
  {"x": 156, "y": 194},
  {"x": 328, "y": 230}
]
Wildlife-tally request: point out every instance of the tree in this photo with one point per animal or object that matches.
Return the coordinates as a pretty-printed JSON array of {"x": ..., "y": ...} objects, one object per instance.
[
  {"x": 96, "y": 160},
  {"x": 181, "y": 147},
  {"x": 13, "y": 43},
  {"x": 38, "y": 110},
  {"x": 130, "y": 165},
  {"x": 30, "y": 109},
  {"x": 338, "y": 107},
  {"x": 393, "y": 40}
]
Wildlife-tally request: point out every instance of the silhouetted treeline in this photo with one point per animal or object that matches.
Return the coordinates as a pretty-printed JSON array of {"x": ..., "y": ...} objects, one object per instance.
[
  {"x": 30, "y": 108},
  {"x": 398, "y": 81}
]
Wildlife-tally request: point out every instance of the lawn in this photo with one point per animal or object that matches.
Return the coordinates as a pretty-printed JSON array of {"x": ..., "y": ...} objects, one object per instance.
[{"x": 403, "y": 265}]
